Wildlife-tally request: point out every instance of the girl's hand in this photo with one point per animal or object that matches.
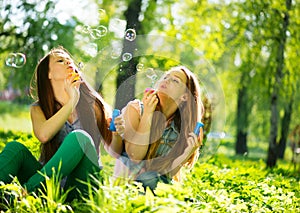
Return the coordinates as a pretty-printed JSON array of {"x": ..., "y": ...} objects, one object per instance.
[
  {"x": 120, "y": 125},
  {"x": 72, "y": 84},
  {"x": 150, "y": 101},
  {"x": 193, "y": 143}
]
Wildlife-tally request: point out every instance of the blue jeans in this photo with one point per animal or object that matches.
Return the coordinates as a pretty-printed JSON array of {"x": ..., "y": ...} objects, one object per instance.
[{"x": 150, "y": 179}]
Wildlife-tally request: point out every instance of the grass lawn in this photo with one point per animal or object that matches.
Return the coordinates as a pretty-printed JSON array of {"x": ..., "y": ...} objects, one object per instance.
[
  {"x": 223, "y": 183},
  {"x": 14, "y": 117}
]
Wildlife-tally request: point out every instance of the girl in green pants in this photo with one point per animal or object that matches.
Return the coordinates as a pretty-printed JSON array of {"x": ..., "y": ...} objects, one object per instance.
[
  {"x": 77, "y": 155},
  {"x": 70, "y": 120}
]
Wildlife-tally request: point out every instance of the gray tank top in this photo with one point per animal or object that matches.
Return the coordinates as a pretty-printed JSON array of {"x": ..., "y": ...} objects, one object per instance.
[{"x": 67, "y": 127}]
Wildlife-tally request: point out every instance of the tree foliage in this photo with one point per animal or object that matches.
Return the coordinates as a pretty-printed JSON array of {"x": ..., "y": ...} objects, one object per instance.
[{"x": 31, "y": 29}]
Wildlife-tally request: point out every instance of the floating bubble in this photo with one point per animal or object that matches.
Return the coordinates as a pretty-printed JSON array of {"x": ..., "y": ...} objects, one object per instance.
[
  {"x": 15, "y": 60},
  {"x": 86, "y": 29},
  {"x": 140, "y": 67},
  {"x": 102, "y": 29},
  {"x": 130, "y": 34},
  {"x": 150, "y": 73},
  {"x": 99, "y": 32},
  {"x": 94, "y": 33},
  {"x": 102, "y": 13},
  {"x": 126, "y": 56},
  {"x": 10, "y": 59}
]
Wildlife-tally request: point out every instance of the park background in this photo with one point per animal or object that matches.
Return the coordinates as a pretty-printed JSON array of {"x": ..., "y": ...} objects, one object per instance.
[{"x": 248, "y": 51}]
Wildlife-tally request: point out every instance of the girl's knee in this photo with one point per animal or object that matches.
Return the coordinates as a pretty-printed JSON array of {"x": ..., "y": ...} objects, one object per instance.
[
  {"x": 16, "y": 146},
  {"x": 81, "y": 136}
]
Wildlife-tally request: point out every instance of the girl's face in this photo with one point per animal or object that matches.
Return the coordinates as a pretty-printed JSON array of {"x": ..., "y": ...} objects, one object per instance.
[
  {"x": 60, "y": 66},
  {"x": 173, "y": 84}
]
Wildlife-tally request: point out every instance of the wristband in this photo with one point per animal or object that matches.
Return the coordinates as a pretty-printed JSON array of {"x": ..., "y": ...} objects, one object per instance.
[
  {"x": 197, "y": 128},
  {"x": 115, "y": 114}
]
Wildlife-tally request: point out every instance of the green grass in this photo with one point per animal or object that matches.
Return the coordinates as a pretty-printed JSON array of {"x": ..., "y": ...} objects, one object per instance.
[
  {"x": 14, "y": 117},
  {"x": 223, "y": 183}
]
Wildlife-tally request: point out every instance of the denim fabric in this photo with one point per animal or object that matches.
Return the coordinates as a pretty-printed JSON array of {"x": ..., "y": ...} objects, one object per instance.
[
  {"x": 133, "y": 167},
  {"x": 168, "y": 140},
  {"x": 150, "y": 179}
]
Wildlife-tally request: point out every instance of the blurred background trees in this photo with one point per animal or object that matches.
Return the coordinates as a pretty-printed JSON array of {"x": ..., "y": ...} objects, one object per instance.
[{"x": 252, "y": 45}]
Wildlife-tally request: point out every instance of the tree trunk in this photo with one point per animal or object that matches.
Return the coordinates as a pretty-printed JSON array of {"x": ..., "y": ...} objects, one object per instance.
[
  {"x": 272, "y": 157},
  {"x": 285, "y": 124},
  {"x": 127, "y": 69},
  {"x": 272, "y": 152},
  {"x": 242, "y": 120}
]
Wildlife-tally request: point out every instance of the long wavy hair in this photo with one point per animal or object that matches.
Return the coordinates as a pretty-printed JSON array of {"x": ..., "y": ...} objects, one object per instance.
[
  {"x": 91, "y": 107},
  {"x": 185, "y": 118}
]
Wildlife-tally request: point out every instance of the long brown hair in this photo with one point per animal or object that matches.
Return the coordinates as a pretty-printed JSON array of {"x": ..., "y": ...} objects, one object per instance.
[
  {"x": 90, "y": 107},
  {"x": 185, "y": 118}
]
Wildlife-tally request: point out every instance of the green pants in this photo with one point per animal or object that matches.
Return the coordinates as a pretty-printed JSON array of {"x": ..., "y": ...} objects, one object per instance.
[{"x": 77, "y": 155}]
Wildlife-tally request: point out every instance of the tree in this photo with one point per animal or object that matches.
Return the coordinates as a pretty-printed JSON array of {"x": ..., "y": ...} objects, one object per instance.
[
  {"x": 242, "y": 116},
  {"x": 279, "y": 74},
  {"x": 33, "y": 32},
  {"x": 285, "y": 124},
  {"x": 140, "y": 26},
  {"x": 128, "y": 67}
]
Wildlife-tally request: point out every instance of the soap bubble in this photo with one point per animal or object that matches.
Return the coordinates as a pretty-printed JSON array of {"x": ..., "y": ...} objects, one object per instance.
[
  {"x": 102, "y": 14},
  {"x": 130, "y": 34},
  {"x": 86, "y": 29},
  {"x": 15, "y": 60},
  {"x": 126, "y": 56},
  {"x": 151, "y": 74},
  {"x": 99, "y": 32},
  {"x": 103, "y": 30},
  {"x": 95, "y": 33},
  {"x": 140, "y": 67}
]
